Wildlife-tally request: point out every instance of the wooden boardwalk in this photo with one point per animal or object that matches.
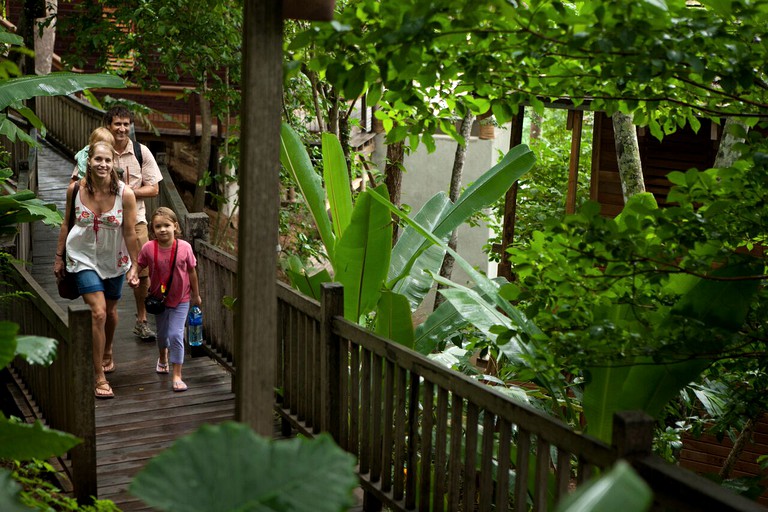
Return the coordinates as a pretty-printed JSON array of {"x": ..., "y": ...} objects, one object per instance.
[{"x": 145, "y": 416}]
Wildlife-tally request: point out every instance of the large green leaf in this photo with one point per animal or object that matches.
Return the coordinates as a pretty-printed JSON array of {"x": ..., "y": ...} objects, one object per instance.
[
  {"x": 362, "y": 255},
  {"x": 416, "y": 284},
  {"x": 37, "y": 349},
  {"x": 393, "y": 318},
  {"x": 618, "y": 489},
  {"x": 493, "y": 184},
  {"x": 54, "y": 84},
  {"x": 228, "y": 467},
  {"x": 24, "y": 441},
  {"x": 337, "y": 183},
  {"x": 8, "y": 342},
  {"x": 443, "y": 321},
  {"x": 309, "y": 285},
  {"x": 10, "y": 493},
  {"x": 294, "y": 157}
]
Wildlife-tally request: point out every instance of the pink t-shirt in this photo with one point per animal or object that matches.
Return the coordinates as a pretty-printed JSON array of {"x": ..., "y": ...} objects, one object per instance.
[{"x": 158, "y": 270}]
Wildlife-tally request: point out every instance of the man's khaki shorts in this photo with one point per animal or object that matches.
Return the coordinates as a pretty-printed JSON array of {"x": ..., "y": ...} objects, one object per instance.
[{"x": 142, "y": 234}]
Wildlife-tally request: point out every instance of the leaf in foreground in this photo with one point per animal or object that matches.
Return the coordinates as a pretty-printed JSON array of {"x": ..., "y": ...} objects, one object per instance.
[
  {"x": 228, "y": 467},
  {"x": 23, "y": 441},
  {"x": 9, "y": 493}
]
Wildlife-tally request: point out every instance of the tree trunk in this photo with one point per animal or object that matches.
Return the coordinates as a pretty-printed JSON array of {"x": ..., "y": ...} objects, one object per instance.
[
  {"x": 535, "y": 130},
  {"x": 738, "y": 447},
  {"x": 628, "y": 154},
  {"x": 44, "y": 43},
  {"x": 198, "y": 203},
  {"x": 446, "y": 270},
  {"x": 393, "y": 177},
  {"x": 344, "y": 141},
  {"x": 726, "y": 155}
]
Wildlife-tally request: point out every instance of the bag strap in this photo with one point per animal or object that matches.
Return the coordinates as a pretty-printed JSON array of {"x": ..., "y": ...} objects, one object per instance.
[
  {"x": 72, "y": 205},
  {"x": 173, "y": 266},
  {"x": 137, "y": 153}
]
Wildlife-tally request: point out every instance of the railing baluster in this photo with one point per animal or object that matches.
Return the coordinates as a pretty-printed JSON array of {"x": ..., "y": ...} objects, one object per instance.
[
  {"x": 563, "y": 474},
  {"x": 389, "y": 427},
  {"x": 486, "y": 462},
  {"x": 470, "y": 457},
  {"x": 354, "y": 401},
  {"x": 412, "y": 444},
  {"x": 365, "y": 412},
  {"x": 502, "y": 472},
  {"x": 542, "y": 475},
  {"x": 441, "y": 458},
  {"x": 376, "y": 414},
  {"x": 427, "y": 421},
  {"x": 454, "y": 461},
  {"x": 399, "y": 465},
  {"x": 521, "y": 469}
]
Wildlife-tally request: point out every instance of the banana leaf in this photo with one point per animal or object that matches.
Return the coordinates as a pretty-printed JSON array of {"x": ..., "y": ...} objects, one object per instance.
[
  {"x": 443, "y": 321},
  {"x": 484, "y": 191},
  {"x": 649, "y": 386},
  {"x": 294, "y": 157},
  {"x": 362, "y": 255},
  {"x": 417, "y": 283},
  {"x": 337, "y": 183},
  {"x": 16, "y": 90},
  {"x": 393, "y": 318}
]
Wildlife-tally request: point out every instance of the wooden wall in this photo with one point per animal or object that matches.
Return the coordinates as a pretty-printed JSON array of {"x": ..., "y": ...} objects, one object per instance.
[
  {"x": 706, "y": 455},
  {"x": 680, "y": 151}
]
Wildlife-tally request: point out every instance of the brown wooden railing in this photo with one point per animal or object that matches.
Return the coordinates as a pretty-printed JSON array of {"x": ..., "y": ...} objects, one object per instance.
[
  {"x": 69, "y": 121},
  {"x": 62, "y": 391}
]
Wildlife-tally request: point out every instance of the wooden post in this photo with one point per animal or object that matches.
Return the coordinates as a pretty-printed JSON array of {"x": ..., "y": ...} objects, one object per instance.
[
  {"x": 84, "y": 420},
  {"x": 575, "y": 123},
  {"x": 331, "y": 304},
  {"x": 510, "y": 201},
  {"x": 256, "y": 316},
  {"x": 196, "y": 226},
  {"x": 632, "y": 434}
]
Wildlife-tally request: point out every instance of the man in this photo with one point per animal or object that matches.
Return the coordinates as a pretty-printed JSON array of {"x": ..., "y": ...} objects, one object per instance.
[{"x": 144, "y": 179}]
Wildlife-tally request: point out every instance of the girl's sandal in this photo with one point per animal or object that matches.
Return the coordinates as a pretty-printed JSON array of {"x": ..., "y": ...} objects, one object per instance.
[
  {"x": 103, "y": 390},
  {"x": 178, "y": 386},
  {"x": 160, "y": 367}
]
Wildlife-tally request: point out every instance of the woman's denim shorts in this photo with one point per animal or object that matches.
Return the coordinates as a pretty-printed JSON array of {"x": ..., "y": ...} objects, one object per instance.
[{"x": 88, "y": 281}]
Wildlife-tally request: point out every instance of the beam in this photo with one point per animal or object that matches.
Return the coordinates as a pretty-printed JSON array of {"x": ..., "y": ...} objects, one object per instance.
[{"x": 256, "y": 313}]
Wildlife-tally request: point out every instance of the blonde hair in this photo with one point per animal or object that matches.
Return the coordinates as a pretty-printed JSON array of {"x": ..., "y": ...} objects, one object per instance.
[
  {"x": 169, "y": 214},
  {"x": 114, "y": 187},
  {"x": 101, "y": 134}
]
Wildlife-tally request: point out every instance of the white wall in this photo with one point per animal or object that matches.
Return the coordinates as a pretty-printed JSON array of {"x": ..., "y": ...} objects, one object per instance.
[{"x": 428, "y": 173}]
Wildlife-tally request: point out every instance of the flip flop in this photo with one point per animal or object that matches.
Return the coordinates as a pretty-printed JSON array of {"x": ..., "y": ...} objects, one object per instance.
[
  {"x": 109, "y": 367},
  {"x": 103, "y": 390},
  {"x": 160, "y": 367},
  {"x": 179, "y": 386}
]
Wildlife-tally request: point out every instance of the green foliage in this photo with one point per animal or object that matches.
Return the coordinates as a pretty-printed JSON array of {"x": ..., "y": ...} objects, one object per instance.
[
  {"x": 204, "y": 49},
  {"x": 37, "y": 492},
  {"x": 261, "y": 474},
  {"x": 663, "y": 63}
]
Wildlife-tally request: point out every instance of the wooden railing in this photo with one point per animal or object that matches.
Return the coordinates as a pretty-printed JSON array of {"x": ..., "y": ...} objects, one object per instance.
[
  {"x": 429, "y": 438},
  {"x": 63, "y": 391},
  {"x": 69, "y": 121}
]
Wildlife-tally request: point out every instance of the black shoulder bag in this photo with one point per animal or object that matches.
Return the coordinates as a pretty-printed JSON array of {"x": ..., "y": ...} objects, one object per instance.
[{"x": 156, "y": 305}]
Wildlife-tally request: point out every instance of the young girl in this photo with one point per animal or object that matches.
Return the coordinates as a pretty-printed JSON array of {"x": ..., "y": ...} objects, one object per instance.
[{"x": 157, "y": 255}]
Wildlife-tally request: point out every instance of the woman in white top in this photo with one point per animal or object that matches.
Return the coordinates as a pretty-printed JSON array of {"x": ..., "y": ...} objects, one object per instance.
[{"x": 101, "y": 250}]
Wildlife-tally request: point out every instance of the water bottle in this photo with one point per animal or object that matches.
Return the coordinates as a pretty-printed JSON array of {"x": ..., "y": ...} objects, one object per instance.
[{"x": 195, "y": 326}]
